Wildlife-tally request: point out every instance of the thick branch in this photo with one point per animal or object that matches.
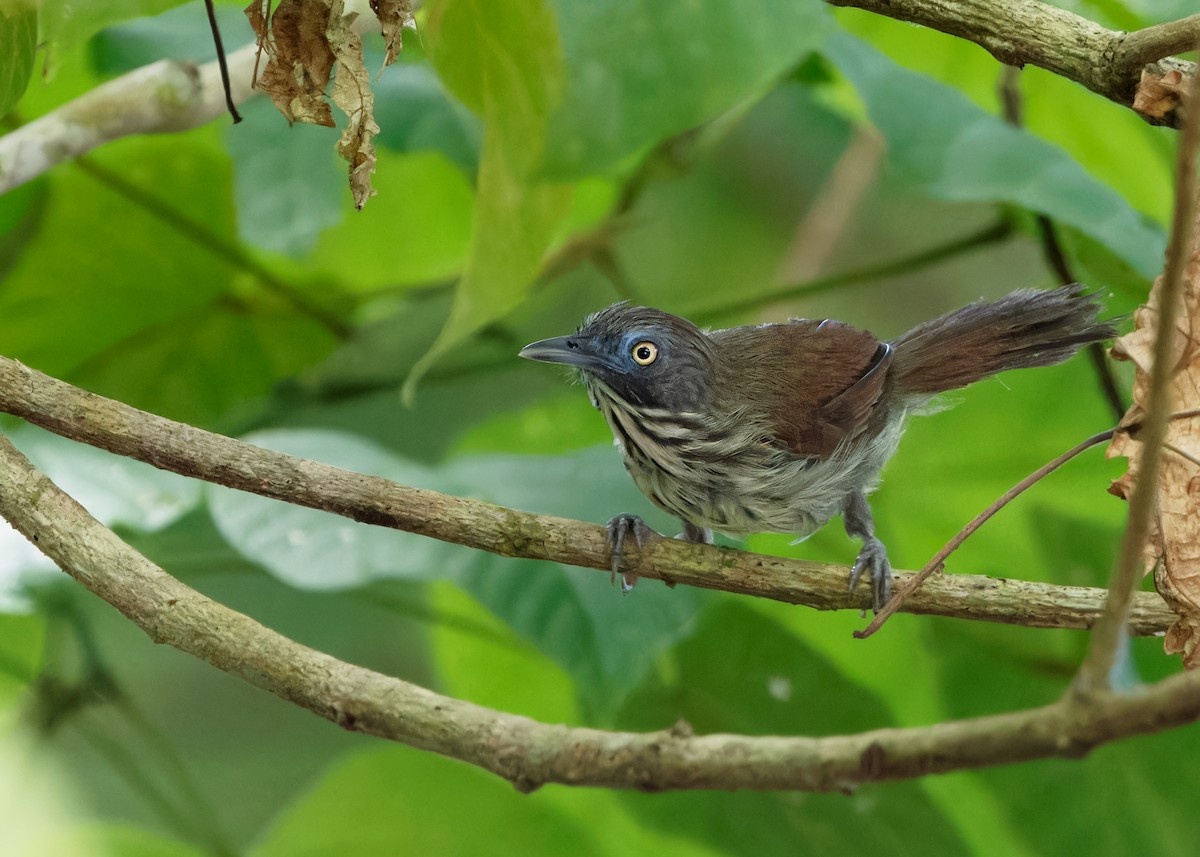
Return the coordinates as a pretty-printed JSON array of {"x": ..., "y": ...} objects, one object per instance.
[
  {"x": 190, "y": 451},
  {"x": 165, "y": 96},
  {"x": 1021, "y": 32},
  {"x": 524, "y": 751}
]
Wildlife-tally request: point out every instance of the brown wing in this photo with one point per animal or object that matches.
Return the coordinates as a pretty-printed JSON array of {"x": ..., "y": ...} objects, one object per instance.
[{"x": 821, "y": 380}]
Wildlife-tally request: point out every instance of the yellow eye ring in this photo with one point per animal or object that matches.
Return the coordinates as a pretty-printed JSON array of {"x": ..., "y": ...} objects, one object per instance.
[{"x": 644, "y": 353}]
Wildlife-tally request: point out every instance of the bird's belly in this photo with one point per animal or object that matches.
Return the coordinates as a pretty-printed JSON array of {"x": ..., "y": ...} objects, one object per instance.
[
  {"x": 735, "y": 482},
  {"x": 794, "y": 498}
]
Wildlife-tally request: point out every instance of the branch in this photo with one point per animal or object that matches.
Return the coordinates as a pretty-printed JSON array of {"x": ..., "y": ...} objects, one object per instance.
[
  {"x": 1027, "y": 32},
  {"x": 524, "y": 751},
  {"x": 165, "y": 96},
  {"x": 193, "y": 452},
  {"x": 1143, "y": 504}
]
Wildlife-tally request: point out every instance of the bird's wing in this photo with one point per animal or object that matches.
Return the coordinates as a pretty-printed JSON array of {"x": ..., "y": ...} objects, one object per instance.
[{"x": 819, "y": 381}]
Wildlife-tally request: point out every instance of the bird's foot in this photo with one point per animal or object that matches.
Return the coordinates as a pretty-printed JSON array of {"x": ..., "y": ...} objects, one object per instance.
[
  {"x": 873, "y": 560},
  {"x": 619, "y": 529}
]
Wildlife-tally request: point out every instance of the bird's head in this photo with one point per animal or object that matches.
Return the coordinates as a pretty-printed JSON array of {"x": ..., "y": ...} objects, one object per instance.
[{"x": 648, "y": 357}]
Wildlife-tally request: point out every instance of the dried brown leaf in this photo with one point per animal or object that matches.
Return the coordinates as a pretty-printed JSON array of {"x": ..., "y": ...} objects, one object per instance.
[
  {"x": 1158, "y": 95},
  {"x": 299, "y": 58},
  {"x": 394, "y": 16},
  {"x": 1173, "y": 547},
  {"x": 353, "y": 96}
]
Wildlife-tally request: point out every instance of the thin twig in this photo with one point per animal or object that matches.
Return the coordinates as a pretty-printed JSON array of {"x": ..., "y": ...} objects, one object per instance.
[
  {"x": 224, "y": 66},
  {"x": 1094, "y": 673},
  {"x": 903, "y": 592}
]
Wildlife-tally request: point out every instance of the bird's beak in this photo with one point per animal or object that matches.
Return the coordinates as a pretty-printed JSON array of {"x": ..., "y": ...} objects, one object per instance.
[{"x": 570, "y": 350}]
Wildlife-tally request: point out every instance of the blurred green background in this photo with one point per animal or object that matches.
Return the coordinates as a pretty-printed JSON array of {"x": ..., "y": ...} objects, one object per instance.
[{"x": 730, "y": 162}]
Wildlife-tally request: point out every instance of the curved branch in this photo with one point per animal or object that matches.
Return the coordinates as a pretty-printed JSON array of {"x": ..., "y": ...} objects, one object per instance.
[
  {"x": 1027, "y": 32},
  {"x": 165, "y": 96},
  {"x": 189, "y": 451},
  {"x": 524, "y": 751}
]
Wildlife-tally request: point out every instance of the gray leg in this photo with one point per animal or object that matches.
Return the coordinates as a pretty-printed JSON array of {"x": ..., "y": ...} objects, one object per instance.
[
  {"x": 695, "y": 535},
  {"x": 872, "y": 558}
]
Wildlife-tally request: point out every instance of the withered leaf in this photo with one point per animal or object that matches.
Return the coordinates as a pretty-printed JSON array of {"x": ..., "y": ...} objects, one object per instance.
[
  {"x": 353, "y": 96},
  {"x": 394, "y": 16},
  {"x": 1173, "y": 547},
  {"x": 299, "y": 59},
  {"x": 1158, "y": 95}
]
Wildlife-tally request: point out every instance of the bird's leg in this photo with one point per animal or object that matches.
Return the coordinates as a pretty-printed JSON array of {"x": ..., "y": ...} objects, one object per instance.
[
  {"x": 620, "y": 528},
  {"x": 696, "y": 535},
  {"x": 872, "y": 558}
]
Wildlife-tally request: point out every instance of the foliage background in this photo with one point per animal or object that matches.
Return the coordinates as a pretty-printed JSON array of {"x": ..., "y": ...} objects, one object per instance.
[{"x": 221, "y": 277}]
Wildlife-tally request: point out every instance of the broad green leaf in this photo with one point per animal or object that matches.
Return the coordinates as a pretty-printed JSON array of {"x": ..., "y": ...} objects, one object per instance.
[
  {"x": 642, "y": 70},
  {"x": 416, "y": 114},
  {"x": 285, "y": 182},
  {"x": 743, "y": 673},
  {"x": 393, "y": 800},
  {"x": 417, "y": 231},
  {"x": 87, "y": 282},
  {"x": 574, "y": 616},
  {"x": 504, "y": 61},
  {"x": 952, "y": 150},
  {"x": 477, "y": 663},
  {"x": 18, "y": 41}
]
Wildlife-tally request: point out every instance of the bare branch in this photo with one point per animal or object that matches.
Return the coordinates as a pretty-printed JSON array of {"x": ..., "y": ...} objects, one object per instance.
[
  {"x": 524, "y": 751},
  {"x": 1027, "y": 32},
  {"x": 165, "y": 96},
  {"x": 192, "y": 452}
]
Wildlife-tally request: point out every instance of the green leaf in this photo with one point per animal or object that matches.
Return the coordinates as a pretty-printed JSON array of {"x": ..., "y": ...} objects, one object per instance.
[
  {"x": 285, "y": 183},
  {"x": 953, "y": 150},
  {"x": 642, "y": 70},
  {"x": 504, "y": 61},
  {"x": 415, "y": 232},
  {"x": 393, "y": 800},
  {"x": 60, "y": 306},
  {"x": 18, "y": 41}
]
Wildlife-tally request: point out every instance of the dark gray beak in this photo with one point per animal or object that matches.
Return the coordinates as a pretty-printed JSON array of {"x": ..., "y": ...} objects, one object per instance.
[{"x": 569, "y": 350}]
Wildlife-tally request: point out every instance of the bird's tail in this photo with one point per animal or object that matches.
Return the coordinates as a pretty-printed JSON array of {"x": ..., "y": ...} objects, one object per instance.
[{"x": 1025, "y": 328}]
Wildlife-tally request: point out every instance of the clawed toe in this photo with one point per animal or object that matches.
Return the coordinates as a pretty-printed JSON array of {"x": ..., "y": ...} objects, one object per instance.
[
  {"x": 620, "y": 528},
  {"x": 873, "y": 560}
]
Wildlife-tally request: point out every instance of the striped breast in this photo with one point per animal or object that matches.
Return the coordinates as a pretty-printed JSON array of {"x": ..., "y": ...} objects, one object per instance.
[{"x": 727, "y": 473}]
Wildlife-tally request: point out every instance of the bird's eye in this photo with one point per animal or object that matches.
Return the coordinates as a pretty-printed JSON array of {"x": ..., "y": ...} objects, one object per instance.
[{"x": 645, "y": 353}]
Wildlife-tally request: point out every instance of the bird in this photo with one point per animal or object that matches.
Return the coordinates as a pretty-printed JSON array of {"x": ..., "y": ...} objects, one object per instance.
[{"x": 779, "y": 427}]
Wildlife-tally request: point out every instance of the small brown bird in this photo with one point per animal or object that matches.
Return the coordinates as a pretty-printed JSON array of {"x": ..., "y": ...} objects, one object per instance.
[{"x": 779, "y": 427}]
